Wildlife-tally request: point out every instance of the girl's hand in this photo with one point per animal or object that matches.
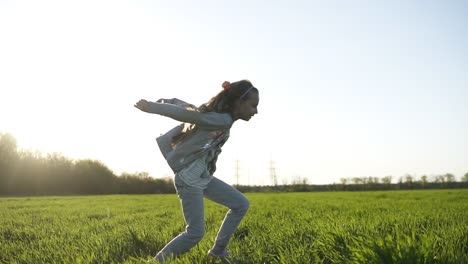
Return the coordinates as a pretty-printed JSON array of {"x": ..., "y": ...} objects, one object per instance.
[{"x": 143, "y": 105}]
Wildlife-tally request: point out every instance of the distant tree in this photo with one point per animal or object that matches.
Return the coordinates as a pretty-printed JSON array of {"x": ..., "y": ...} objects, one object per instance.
[
  {"x": 424, "y": 181},
  {"x": 465, "y": 177},
  {"x": 59, "y": 171},
  {"x": 296, "y": 180},
  {"x": 92, "y": 177},
  {"x": 449, "y": 178},
  {"x": 356, "y": 180},
  {"x": 343, "y": 181},
  {"x": 299, "y": 184},
  {"x": 439, "y": 179},
  {"x": 400, "y": 182},
  {"x": 29, "y": 175},
  {"x": 364, "y": 180},
  {"x": 376, "y": 180},
  {"x": 8, "y": 147},
  {"x": 409, "y": 181},
  {"x": 142, "y": 182},
  {"x": 8, "y": 160},
  {"x": 387, "y": 180},
  {"x": 142, "y": 175},
  {"x": 372, "y": 180}
]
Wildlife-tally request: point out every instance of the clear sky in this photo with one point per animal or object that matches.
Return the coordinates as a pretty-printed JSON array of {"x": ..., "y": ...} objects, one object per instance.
[{"x": 347, "y": 88}]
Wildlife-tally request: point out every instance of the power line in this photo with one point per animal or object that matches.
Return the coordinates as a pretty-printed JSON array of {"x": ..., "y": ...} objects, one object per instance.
[
  {"x": 237, "y": 171},
  {"x": 273, "y": 176}
]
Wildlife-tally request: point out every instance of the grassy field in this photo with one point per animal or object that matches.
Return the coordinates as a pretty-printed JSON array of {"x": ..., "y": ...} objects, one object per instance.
[{"x": 344, "y": 227}]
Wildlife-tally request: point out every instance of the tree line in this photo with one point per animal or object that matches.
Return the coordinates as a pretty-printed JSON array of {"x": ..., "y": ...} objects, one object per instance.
[
  {"x": 407, "y": 182},
  {"x": 32, "y": 173}
]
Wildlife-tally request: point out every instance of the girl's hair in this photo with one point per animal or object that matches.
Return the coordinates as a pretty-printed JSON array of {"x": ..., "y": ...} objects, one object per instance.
[{"x": 223, "y": 102}]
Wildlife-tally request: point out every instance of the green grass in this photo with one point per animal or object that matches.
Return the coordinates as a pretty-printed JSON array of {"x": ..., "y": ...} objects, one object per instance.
[{"x": 344, "y": 227}]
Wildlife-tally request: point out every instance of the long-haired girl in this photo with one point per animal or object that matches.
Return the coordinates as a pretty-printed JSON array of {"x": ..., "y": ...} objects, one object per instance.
[{"x": 191, "y": 150}]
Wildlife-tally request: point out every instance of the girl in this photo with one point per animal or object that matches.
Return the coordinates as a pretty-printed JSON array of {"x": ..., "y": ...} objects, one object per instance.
[{"x": 191, "y": 150}]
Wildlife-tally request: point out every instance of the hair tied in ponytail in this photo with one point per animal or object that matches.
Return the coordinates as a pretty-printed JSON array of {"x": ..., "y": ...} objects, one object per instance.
[{"x": 226, "y": 85}]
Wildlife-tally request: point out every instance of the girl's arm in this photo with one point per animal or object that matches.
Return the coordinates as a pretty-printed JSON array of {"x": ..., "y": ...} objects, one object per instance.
[
  {"x": 178, "y": 102},
  {"x": 179, "y": 113}
]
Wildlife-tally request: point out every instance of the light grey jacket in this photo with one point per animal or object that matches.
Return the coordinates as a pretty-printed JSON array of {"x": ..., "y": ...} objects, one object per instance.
[{"x": 205, "y": 142}]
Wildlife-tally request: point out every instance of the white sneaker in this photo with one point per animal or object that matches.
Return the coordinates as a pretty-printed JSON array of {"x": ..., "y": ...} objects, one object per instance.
[{"x": 225, "y": 256}]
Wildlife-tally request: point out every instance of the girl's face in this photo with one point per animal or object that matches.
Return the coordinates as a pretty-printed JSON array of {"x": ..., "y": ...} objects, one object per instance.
[{"x": 245, "y": 109}]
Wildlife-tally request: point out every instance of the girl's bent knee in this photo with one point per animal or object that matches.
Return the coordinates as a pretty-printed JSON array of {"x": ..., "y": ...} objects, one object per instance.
[
  {"x": 195, "y": 235},
  {"x": 243, "y": 205},
  {"x": 247, "y": 204}
]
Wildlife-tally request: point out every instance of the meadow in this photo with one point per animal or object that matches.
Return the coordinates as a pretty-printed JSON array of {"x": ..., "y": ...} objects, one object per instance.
[{"x": 321, "y": 227}]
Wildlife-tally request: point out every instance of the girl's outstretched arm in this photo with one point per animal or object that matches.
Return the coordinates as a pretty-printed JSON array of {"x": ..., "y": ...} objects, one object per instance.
[
  {"x": 209, "y": 120},
  {"x": 178, "y": 102}
]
